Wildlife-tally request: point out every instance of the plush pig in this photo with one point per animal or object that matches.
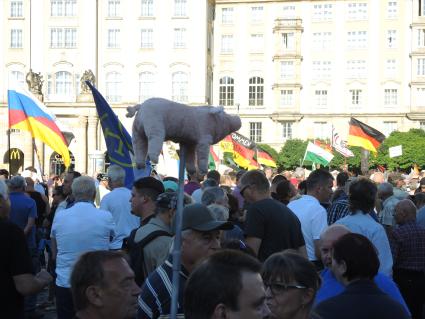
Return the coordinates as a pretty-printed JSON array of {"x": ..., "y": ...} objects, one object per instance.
[{"x": 197, "y": 127}]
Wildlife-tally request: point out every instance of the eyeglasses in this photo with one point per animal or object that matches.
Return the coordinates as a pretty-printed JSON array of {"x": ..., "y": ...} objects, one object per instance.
[
  {"x": 244, "y": 188},
  {"x": 278, "y": 288}
]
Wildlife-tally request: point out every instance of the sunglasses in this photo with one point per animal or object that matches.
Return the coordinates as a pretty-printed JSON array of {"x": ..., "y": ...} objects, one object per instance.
[
  {"x": 278, "y": 288},
  {"x": 244, "y": 188}
]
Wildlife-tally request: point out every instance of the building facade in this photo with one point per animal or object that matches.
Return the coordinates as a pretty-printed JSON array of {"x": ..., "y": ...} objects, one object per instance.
[{"x": 290, "y": 69}]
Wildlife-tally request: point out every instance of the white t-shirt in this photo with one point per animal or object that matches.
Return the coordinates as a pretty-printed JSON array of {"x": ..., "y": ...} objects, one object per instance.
[
  {"x": 118, "y": 204},
  {"x": 313, "y": 220},
  {"x": 77, "y": 230}
]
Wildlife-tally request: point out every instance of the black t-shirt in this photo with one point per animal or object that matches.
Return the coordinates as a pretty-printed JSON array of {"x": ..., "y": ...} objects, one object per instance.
[
  {"x": 15, "y": 260},
  {"x": 41, "y": 207},
  {"x": 275, "y": 224}
]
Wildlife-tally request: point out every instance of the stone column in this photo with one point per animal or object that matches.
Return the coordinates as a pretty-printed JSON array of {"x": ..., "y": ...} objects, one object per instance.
[
  {"x": 91, "y": 140},
  {"x": 81, "y": 144}
]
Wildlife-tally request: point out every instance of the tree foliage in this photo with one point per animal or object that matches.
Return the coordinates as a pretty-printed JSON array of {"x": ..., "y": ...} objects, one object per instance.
[
  {"x": 413, "y": 145},
  {"x": 270, "y": 150},
  {"x": 291, "y": 154}
]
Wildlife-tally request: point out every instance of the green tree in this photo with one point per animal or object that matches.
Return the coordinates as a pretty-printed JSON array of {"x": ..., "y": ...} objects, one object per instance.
[
  {"x": 291, "y": 154},
  {"x": 413, "y": 144},
  {"x": 270, "y": 150},
  {"x": 352, "y": 162}
]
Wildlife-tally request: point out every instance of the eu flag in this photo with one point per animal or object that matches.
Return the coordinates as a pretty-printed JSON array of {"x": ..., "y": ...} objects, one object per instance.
[{"x": 117, "y": 139}]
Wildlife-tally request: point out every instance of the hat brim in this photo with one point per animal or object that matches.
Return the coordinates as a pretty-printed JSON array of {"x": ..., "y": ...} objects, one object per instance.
[{"x": 213, "y": 225}]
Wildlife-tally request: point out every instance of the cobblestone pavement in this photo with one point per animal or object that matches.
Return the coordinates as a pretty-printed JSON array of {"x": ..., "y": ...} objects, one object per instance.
[{"x": 44, "y": 306}]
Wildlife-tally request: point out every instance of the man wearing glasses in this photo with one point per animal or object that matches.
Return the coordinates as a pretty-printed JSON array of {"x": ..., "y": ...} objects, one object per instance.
[{"x": 270, "y": 226}]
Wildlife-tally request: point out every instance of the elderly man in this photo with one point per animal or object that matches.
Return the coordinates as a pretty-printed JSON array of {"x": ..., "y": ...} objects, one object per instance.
[
  {"x": 200, "y": 238},
  {"x": 311, "y": 214},
  {"x": 16, "y": 272},
  {"x": 330, "y": 286},
  {"x": 227, "y": 285},
  {"x": 103, "y": 286},
  {"x": 408, "y": 248},
  {"x": 75, "y": 230},
  {"x": 117, "y": 202},
  {"x": 362, "y": 197},
  {"x": 67, "y": 190},
  {"x": 388, "y": 202},
  {"x": 270, "y": 226}
]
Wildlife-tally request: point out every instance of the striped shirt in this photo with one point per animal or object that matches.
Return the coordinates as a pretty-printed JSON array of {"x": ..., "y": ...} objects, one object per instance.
[{"x": 155, "y": 299}]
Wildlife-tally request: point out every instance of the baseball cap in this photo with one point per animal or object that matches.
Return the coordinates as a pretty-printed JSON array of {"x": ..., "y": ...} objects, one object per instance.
[
  {"x": 199, "y": 217},
  {"x": 149, "y": 182},
  {"x": 167, "y": 200},
  {"x": 170, "y": 185}
]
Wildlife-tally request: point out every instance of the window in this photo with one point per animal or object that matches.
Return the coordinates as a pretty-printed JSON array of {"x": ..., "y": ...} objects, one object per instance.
[
  {"x": 421, "y": 67},
  {"x": 63, "y": 38},
  {"x": 392, "y": 9},
  {"x": 63, "y": 8},
  {"x": 63, "y": 84},
  {"x": 146, "y": 39},
  {"x": 256, "y": 14},
  {"x": 357, "y": 11},
  {"x": 113, "y": 38},
  {"x": 227, "y": 91},
  {"x": 289, "y": 12},
  {"x": 257, "y": 43},
  {"x": 256, "y": 91},
  {"x": 321, "y": 98},
  {"x": 322, "y": 12},
  {"x": 420, "y": 96},
  {"x": 227, "y": 43},
  {"x": 180, "y": 8},
  {"x": 390, "y": 97},
  {"x": 16, "y": 8},
  {"x": 16, "y": 38},
  {"x": 288, "y": 41},
  {"x": 16, "y": 78},
  {"x": 392, "y": 38},
  {"x": 113, "y": 8},
  {"x": 287, "y": 129},
  {"x": 421, "y": 38},
  {"x": 322, "y": 69},
  {"x": 286, "y": 98},
  {"x": 179, "y": 38},
  {"x": 179, "y": 87},
  {"x": 322, "y": 40},
  {"x": 113, "y": 87},
  {"x": 389, "y": 127},
  {"x": 287, "y": 70},
  {"x": 146, "y": 83},
  {"x": 147, "y": 8},
  {"x": 321, "y": 130},
  {"x": 390, "y": 68},
  {"x": 227, "y": 15},
  {"x": 255, "y": 130},
  {"x": 356, "y": 39},
  {"x": 356, "y": 97},
  {"x": 356, "y": 69}
]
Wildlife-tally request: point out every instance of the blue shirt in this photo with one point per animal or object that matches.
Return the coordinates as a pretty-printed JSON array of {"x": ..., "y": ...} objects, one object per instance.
[
  {"x": 365, "y": 225},
  {"x": 420, "y": 217},
  {"x": 23, "y": 207},
  {"x": 79, "y": 229},
  {"x": 331, "y": 287}
]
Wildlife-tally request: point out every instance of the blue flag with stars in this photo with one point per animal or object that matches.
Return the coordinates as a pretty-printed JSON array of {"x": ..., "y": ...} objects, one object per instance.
[{"x": 118, "y": 141}]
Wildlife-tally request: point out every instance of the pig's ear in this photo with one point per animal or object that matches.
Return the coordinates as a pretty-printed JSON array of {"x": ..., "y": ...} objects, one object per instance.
[{"x": 216, "y": 109}]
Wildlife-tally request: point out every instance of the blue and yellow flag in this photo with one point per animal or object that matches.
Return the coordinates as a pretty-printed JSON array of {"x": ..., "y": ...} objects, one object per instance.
[{"x": 118, "y": 141}]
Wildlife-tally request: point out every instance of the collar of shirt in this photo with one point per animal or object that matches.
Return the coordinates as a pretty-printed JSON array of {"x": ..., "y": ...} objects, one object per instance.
[{"x": 183, "y": 271}]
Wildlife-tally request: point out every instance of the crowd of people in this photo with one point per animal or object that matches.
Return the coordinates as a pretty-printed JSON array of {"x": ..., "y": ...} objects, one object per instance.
[{"x": 254, "y": 244}]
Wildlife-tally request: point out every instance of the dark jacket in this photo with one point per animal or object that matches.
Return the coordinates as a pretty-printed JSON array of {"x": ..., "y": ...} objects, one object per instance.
[{"x": 361, "y": 299}]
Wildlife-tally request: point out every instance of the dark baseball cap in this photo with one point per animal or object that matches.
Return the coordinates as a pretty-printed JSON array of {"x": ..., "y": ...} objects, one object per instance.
[
  {"x": 149, "y": 182},
  {"x": 199, "y": 217}
]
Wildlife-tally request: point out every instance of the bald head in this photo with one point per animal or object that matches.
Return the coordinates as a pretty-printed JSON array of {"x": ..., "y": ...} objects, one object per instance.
[
  {"x": 327, "y": 239},
  {"x": 405, "y": 211}
]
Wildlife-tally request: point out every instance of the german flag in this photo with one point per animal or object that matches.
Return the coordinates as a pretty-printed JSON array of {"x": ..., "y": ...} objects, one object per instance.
[
  {"x": 264, "y": 158},
  {"x": 243, "y": 156},
  {"x": 364, "y": 136}
]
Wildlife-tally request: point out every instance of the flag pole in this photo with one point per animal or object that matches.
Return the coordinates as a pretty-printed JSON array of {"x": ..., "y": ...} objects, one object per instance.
[
  {"x": 176, "y": 253},
  {"x": 8, "y": 152}
]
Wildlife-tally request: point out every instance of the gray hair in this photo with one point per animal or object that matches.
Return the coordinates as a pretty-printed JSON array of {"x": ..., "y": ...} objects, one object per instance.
[
  {"x": 4, "y": 190},
  {"x": 83, "y": 187},
  {"x": 116, "y": 174},
  {"x": 17, "y": 182},
  {"x": 385, "y": 189},
  {"x": 212, "y": 195},
  {"x": 220, "y": 212}
]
